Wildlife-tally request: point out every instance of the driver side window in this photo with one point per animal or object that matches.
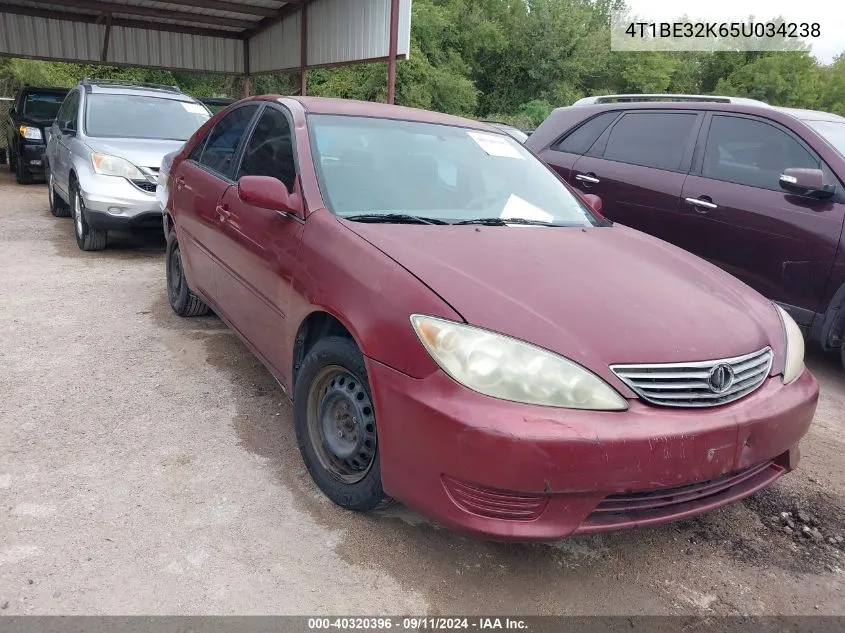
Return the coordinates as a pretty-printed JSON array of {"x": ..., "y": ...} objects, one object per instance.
[{"x": 269, "y": 151}]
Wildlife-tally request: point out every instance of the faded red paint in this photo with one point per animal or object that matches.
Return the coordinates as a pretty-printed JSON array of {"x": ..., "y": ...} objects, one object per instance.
[{"x": 599, "y": 296}]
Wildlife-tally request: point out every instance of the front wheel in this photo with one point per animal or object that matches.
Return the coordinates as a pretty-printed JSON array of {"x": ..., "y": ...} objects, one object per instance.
[
  {"x": 87, "y": 239},
  {"x": 336, "y": 425}
]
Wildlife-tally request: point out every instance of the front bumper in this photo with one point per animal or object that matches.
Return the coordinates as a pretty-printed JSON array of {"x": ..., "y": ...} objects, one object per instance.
[
  {"x": 31, "y": 155},
  {"x": 113, "y": 203},
  {"x": 512, "y": 471}
]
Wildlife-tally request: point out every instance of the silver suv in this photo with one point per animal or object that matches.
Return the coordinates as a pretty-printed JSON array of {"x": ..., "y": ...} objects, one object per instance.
[{"x": 104, "y": 151}]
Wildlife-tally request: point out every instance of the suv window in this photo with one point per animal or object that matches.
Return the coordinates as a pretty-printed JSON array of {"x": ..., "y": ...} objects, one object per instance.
[
  {"x": 69, "y": 110},
  {"x": 582, "y": 138},
  {"x": 750, "y": 152},
  {"x": 269, "y": 151},
  {"x": 651, "y": 139},
  {"x": 222, "y": 142}
]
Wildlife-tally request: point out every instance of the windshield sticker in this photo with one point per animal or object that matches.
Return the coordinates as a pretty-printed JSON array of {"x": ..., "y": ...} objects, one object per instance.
[
  {"x": 193, "y": 108},
  {"x": 516, "y": 207},
  {"x": 496, "y": 145}
]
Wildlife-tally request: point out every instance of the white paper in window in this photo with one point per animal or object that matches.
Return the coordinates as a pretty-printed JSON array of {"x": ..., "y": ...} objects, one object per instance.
[
  {"x": 193, "y": 108},
  {"x": 516, "y": 207},
  {"x": 496, "y": 145}
]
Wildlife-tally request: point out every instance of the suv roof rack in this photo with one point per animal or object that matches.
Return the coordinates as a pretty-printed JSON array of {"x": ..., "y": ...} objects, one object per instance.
[
  {"x": 623, "y": 98},
  {"x": 93, "y": 81}
]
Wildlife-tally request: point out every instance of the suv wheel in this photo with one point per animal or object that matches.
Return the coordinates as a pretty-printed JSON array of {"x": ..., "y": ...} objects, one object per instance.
[
  {"x": 87, "y": 239},
  {"x": 335, "y": 425},
  {"x": 58, "y": 207},
  {"x": 183, "y": 301},
  {"x": 22, "y": 174}
]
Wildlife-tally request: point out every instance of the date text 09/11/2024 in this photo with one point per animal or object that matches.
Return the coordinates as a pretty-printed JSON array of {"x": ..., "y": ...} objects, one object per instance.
[
  {"x": 724, "y": 29},
  {"x": 426, "y": 623}
]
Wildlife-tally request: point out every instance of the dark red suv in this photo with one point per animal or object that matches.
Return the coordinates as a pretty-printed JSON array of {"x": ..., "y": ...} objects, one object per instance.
[{"x": 756, "y": 189}]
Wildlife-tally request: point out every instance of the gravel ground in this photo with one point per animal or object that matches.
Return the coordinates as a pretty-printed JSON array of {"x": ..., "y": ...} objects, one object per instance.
[{"x": 148, "y": 466}]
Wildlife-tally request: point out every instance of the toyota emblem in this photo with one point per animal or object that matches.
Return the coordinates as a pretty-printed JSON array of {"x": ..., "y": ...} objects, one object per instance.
[{"x": 721, "y": 378}]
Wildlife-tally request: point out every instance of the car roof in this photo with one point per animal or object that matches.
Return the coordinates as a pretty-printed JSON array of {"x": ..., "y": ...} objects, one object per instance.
[
  {"x": 351, "y": 107},
  {"x": 811, "y": 115}
]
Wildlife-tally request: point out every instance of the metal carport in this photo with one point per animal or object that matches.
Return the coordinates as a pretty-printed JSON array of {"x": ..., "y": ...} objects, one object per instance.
[{"x": 237, "y": 37}]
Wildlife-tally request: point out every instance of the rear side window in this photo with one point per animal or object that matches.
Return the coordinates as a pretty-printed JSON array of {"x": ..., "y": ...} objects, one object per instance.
[
  {"x": 219, "y": 151},
  {"x": 752, "y": 153},
  {"x": 582, "y": 139},
  {"x": 651, "y": 139}
]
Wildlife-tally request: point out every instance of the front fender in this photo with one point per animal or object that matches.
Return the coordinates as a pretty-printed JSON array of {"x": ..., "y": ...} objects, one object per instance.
[{"x": 373, "y": 296}]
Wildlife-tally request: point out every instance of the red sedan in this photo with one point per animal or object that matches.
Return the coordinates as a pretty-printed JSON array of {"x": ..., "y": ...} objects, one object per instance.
[{"x": 462, "y": 332}]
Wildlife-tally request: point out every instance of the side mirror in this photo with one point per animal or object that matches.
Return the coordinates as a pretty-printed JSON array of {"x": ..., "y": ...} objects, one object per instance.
[
  {"x": 269, "y": 193},
  {"x": 594, "y": 203},
  {"x": 806, "y": 182}
]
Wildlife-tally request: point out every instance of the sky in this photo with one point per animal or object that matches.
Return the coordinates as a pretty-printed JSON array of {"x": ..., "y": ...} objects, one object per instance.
[{"x": 830, "y": 15}]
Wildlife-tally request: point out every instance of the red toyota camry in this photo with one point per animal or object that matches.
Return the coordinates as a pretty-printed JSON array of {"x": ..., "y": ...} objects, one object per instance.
[{"x": 462, "y": 332}]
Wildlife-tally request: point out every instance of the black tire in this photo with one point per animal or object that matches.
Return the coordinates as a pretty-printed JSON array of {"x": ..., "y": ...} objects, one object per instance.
[
  {"x": 13, "y": 164},
  {"x": 22, "y": 174},
  {"x": 360, "y": 490},
  {"x": 87, "y": 238},
  {"x": 842, "y": 354},
  {"x": 183, "y": 301},
  {"x": 58, "y": 207}
]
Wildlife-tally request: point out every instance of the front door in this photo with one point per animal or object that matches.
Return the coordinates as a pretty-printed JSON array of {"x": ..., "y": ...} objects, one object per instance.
[
  {"x": 638, "y": 167},
  {"x": 198, "y": 185},
  {"x": 781, "y": 244},
  {"x": 258, "y": 247}
]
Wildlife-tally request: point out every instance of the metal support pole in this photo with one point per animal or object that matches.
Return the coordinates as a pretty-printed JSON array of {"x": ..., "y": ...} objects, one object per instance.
[
  {"x": 246, "y": 68},
  {"x": 105, "y": 52},
  {"x": 393, "y": 46},
  {"x": 303, "y": 49}
]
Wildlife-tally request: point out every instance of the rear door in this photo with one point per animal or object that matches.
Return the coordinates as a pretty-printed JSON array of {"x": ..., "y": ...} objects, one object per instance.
[
  {"x": 638, "y": 167},
  {"x": 198, "y": 185},
  {"x": 781, "y": 244},
  {"x": 258, "y": 247}
]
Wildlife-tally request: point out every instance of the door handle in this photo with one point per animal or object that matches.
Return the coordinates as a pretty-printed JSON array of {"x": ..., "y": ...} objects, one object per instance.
[
  {"x": 180, "y": 182},
  {"x": 587, "y": 178},
  {"x": 701, "y": 205},
  {"x": 222, "y": 213}
]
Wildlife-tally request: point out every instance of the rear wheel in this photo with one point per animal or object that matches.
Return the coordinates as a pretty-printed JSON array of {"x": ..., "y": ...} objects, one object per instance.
[
  {"x": 87, "y": 239},
  {"x": 336, "y": 425},
  {"x": 58, "y": 207},
  {"x": 183, "y": 301}
]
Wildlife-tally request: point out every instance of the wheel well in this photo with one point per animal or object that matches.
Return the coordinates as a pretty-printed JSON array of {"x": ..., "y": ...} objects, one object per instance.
[
  {"x": 316, "y": 326},
  {"x": 71, "y": 178}
]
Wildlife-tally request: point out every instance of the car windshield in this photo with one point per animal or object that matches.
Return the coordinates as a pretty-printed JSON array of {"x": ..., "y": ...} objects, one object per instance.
[
  {"x": 832, "y": 131},
  {"x": 441, "y": 172},
  {"x": 42, "y": 105},
  {"x": 137, "y": 116}
]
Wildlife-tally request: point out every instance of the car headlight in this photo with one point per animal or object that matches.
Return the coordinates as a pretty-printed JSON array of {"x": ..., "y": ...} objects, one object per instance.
[
  {"x": 793, "y": 367},
  {"x": 30, "y": 133},
  {"x": 510, "y": 369},
  {"x": 106, "y": 165}
]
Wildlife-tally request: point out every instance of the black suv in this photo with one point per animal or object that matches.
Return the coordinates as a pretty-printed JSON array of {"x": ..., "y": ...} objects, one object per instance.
[{"x": 32, "y": 111}]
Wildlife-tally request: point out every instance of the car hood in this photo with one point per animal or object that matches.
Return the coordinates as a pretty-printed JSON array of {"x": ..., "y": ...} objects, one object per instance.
[
  {"x": 598, "y": 296},
  {"x": 140, "y": 152}
]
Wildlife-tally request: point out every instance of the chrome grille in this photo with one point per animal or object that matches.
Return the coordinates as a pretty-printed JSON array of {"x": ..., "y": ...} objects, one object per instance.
[{"x": 692, "y": 384}]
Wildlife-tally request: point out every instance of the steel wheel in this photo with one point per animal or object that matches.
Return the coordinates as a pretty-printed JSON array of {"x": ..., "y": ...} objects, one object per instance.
[
  {"x": 341, "y": 424},
  {"x": 175, "y": 278}
]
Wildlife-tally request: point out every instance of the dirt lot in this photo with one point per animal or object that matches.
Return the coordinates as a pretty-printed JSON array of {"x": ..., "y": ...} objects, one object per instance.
[{"x": 148, "y": 466}]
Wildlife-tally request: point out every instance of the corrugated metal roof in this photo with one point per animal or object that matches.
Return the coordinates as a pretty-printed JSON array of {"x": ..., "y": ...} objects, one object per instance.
[
  {"x": 339, "y": 31},
  {"x": 201, "y": 35}
]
